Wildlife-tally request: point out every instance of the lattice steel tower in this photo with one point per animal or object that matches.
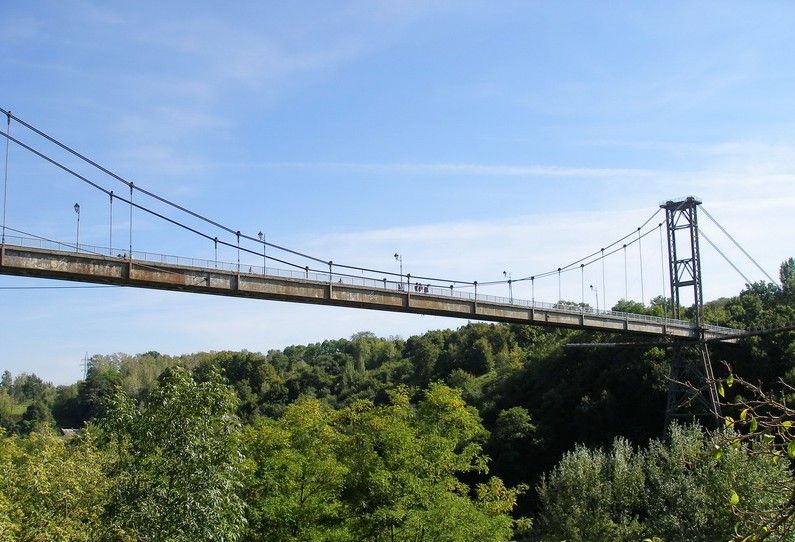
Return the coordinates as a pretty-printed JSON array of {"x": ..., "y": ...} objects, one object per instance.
[{"x": 690, "y": 363}]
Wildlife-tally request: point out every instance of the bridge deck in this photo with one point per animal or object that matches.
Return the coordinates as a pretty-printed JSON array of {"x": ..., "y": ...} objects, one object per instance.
[{"x": 329, "y": 289}]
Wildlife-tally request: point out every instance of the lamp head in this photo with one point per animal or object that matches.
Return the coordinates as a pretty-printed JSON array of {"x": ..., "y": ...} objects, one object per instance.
[{"x": 77, "y": 208}]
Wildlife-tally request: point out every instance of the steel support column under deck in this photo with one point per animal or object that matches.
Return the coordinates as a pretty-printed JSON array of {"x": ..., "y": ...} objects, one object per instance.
[{"x": 691, "y": 386}]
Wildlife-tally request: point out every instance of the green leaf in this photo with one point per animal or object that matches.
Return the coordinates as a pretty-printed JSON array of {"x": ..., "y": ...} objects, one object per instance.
[
  {"x": 730, "y": 380},
  {"x": 791, "y": 449},
  {"x": 728, "y": 422},
  {"x": 744, "y": 414},
  {"x": 753, "y": 426},
  {"x": 734, "y": 498},
  {"x": 786, "y": 424},
  {"x": 721, "y": 391}
]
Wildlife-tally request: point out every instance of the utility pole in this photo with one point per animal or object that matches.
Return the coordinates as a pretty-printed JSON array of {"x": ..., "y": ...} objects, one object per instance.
[{"x": 84, "y": 365}]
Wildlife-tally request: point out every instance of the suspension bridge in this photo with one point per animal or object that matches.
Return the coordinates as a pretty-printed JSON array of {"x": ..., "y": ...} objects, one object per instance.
[{"x": 286, "y": 274}]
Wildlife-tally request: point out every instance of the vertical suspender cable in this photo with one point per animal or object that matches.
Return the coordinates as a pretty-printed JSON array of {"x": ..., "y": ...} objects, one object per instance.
[
  {"x": 110, "y": 231},
  {"x": 604, "y": 305},
  {"x": 662, "y": 271},
  {"x": 560, "y": 295},
  {"x": 131, "y": 218},
  {"x": 582, "y": 284},
  {"x": 238, "y": 251},
  {"x": 640, "y": 255},
  {"x": 626, "y": 284},
  {"x": 5, "y": 179}
]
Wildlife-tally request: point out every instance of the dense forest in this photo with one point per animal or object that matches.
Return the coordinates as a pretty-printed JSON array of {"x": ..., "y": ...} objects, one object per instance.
[{"x": 484, "y": 433}]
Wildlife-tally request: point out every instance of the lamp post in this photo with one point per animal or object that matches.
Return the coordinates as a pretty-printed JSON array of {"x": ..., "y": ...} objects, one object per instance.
[
  {"x": 595, "y": 291},
  {"x": 399, "y": 258},
  {"x": 264, "y": 259},
  {"x": 77, "y": 237},
  {"x": 510, "y": 286}
]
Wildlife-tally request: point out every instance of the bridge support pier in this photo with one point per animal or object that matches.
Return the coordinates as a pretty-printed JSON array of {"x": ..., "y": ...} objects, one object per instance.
[{"x": 691, "y": 385}]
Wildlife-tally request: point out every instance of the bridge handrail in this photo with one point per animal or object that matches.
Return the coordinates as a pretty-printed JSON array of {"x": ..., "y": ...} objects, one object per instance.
[{"x": 325, "y": 277}]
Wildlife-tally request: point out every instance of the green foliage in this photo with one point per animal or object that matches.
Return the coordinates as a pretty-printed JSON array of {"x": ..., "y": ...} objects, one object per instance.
[
  {"x": 593, "y": 495},
  {"x": 294, "y": 476},
  {"x": 37, "y": 417},
  {"x": 357, "y": 439},
  {"x": 51, "y": 490},
  {"x": 404, "y": 464},
  {"x": 627, "y": 305},
  {"x": 787, "y": 277},
  {"x": 177, "y": 470},
  {"x": 388, "y": 472},
  {"x": 675, "y": 490}
]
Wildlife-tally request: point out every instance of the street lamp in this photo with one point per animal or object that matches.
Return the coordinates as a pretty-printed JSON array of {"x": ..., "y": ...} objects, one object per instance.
[
  {"x": 399, "y": 258},
  {"x": 77, "y": 237},
  {"x": 264, "y": 259},
  {"x": 510, "y": 286},
  {"x": 595, "y": 291}
]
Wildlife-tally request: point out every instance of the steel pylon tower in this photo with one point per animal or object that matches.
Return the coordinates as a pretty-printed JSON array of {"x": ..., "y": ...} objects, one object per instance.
[
  {"x": 690, "y": 362},
  {"x": 684, "y": 262}
]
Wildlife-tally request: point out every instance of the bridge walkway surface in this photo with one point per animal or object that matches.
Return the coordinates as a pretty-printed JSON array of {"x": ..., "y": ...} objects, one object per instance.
[{"x": 158, "y": 271}]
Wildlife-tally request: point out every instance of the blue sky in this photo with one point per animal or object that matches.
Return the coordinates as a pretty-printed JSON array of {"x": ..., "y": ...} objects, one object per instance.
[{"x": 472, "y": 137}]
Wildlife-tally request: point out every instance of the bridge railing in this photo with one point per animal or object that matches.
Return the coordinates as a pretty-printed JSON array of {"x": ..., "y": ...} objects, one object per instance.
[{"x": 333, "y": 277}]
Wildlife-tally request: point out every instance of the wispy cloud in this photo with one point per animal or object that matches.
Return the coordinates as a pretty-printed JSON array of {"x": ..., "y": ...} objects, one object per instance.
[
  {"x": 764, "y": 170},
  {"x": 477, "y": 170}
]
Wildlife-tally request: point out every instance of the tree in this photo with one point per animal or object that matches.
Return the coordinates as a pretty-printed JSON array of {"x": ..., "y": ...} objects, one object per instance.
[
  {"x": 593, "y": 495},
  {"x": 404, "y": 463},
  {"x": 29, "y": 387},
  {"x": 512, "y": 436},
  {"x": 690, "y": 489},
  {"x": 66, "y": 409},
  {"x": 764, "y": 426},
  {"x": 178, "y": 470},
  {"x": 678, "y": 490},
  {"x": 787, "y": 276},
  {"x": 295, "y": 476},
  {"x": 6, "y": 381},
  {"x": 36, "y": 417},
  {"x": 626, "y": 305},
  {"x": 50, "y": 489}
]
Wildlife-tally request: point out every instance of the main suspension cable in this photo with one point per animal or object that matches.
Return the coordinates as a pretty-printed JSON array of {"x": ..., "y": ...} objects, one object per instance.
[
  {"x": 147, "y": 192},
  {"x": 702, "y": 234},
  {"x": 133, "y": 186},
  {"x": 733, "y": 240},
  {"x": 265, "y": 244},
  {"x": 5, "y": 178},
  {"x": 198, "y": 232}
]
